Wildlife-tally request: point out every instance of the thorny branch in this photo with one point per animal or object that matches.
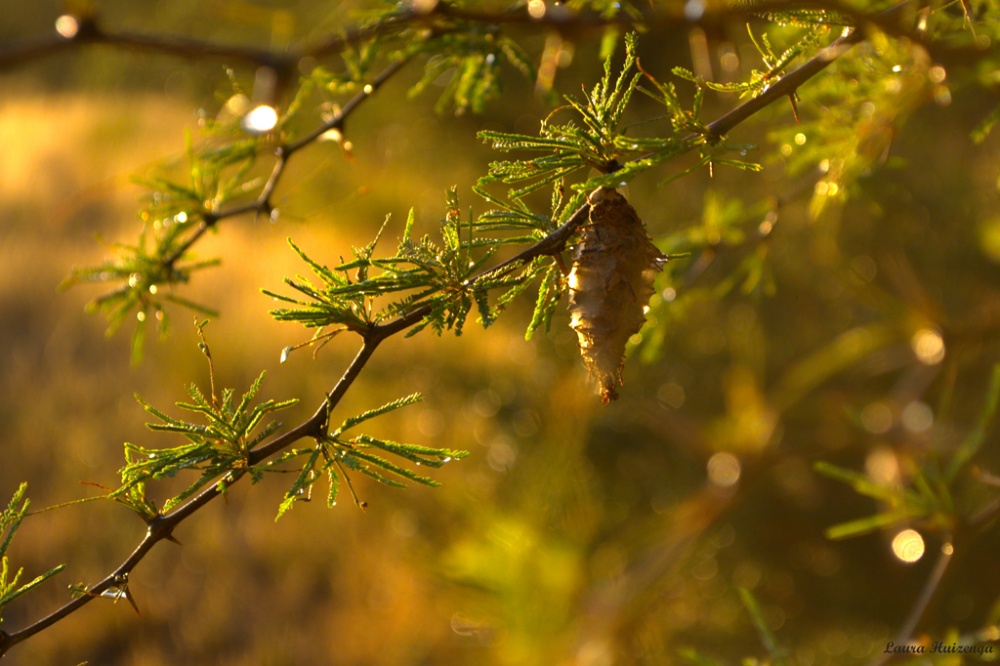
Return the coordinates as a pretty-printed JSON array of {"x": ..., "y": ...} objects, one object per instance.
[
  {"x": 88, "y": 31},
  {"x": 85, "y": 29}
]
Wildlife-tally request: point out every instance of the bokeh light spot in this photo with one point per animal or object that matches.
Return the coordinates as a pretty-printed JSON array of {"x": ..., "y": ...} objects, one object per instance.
[
  {"x": 694, "y": 10},
  {"x": 917, "y": 417},
  {"x": 908, "y": 546},
  {"x": 882, "y": 466},
  {"x": 724, "y": 469},
  {"x": 67, "y": 26},
  {"x": 876, "y": 418},
  {"x": 671, "y": 394},
  {"x": 260, "y": 120},
  {"x": 928, "y": 345}
]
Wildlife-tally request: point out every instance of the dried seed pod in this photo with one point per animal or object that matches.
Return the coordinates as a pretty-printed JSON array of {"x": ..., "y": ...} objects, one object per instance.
[{"x": 610, "y": 285}]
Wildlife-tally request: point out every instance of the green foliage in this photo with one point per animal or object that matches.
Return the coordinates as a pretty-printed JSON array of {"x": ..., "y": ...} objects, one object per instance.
[
  {"x": 145, "y": 271},
  {"x": 516, "y": 217},
  {"x": 767, "y": 636},
  {"x": 810, "y": 32},
  {"x": 469, "y": 55},
  {"x": 845, "y": 141},
  {"x": 806, "y": 18},
  {"x": 423, "y": 273},
  {"x": 10, "y": 582},
  {"x": 727, "y": 225},
  {"x": 928, "y": 494},
  {"x": 336, "y": 454},
  {"x": 445, "y": 279},
  {"x": 601, "y": 143},
  {"x": 177, "y": 214},
  {"x": 986, "y": 126},
  {"x": 219, "y": 446},
  {"x": 480, "y": 264}
]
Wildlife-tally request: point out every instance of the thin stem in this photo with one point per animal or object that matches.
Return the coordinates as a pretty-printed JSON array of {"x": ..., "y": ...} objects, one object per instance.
[
  {"x": 263, "y": 202},
  {"x": 923, "y": 601},
  {"x": 337, "y": 122},
  {"x": 784, "y": 86}
]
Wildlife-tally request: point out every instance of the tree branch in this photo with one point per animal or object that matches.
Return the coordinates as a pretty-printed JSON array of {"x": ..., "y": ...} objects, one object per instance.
[{"x": 88, "y": 31}]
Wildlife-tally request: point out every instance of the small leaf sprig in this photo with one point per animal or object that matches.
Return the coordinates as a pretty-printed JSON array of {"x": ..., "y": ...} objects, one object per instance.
[
  {"x": 603, "y": 142},
  {"x": 811, "y": 26},
  {"x": 336, "y": 454},
  {"x": 927, "y": 497},
  {"x": 471, "y": 55},
  {"x": 177, "y": 214},
  {"x": 11, "y": 586},
  {"x": 216, "y": 448},
  {"x": 600, "y": 143},
  {"x": 447, "y": 277}
]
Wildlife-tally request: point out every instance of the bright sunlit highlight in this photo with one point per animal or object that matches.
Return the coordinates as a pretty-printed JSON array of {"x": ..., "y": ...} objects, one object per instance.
[
  {"x": 67, "y": 26},
  {"x": 536, "y": 9},
  {"x": 908, "y": 546},
  {"x": 260, "y": 120}
]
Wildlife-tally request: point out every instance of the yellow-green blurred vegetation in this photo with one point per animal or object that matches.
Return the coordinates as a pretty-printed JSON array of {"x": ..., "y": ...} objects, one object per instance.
[{"x": 862, "y": 333}]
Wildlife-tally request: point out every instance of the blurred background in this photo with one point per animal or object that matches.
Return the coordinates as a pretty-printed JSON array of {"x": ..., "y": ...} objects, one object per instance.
[{"x": 573, "y": 533}]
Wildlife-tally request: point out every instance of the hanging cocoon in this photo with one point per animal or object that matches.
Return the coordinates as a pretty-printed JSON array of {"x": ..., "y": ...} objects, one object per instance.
[{"x": 610, "y": 285}]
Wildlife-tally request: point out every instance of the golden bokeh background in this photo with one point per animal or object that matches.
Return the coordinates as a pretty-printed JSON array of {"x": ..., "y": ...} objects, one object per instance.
[{"x": 573, "y": 534}]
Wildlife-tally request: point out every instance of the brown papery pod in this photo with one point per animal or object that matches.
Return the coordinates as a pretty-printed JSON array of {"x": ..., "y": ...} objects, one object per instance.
[{"x": 610, "y": 284}]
